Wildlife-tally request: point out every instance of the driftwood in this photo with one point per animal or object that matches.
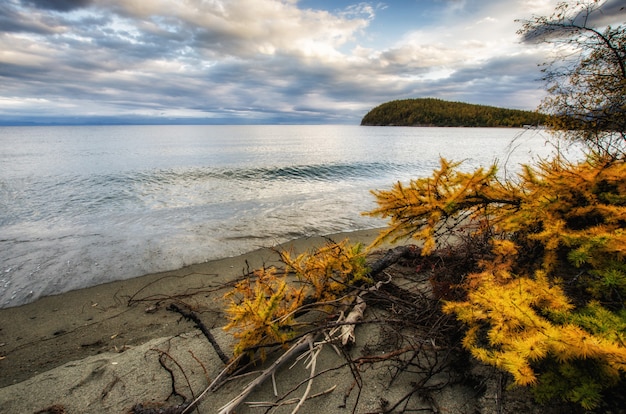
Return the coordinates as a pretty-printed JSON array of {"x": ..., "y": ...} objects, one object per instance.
[
  {"x": 391, "y": 257},
  {"x": 307, "y": 341},
  {"x": 296, "y": 348},
  {"x": 358, "y": 311},
  {"x": 356, "y": 315},
  {"x": 188, "y": 314}
]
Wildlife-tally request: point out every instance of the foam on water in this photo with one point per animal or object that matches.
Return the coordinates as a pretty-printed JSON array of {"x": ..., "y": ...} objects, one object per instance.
[{"x": 81, "y": 206}]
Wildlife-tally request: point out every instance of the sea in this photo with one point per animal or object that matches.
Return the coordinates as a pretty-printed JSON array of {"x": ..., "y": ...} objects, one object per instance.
[{"x": 85, "y": 205}]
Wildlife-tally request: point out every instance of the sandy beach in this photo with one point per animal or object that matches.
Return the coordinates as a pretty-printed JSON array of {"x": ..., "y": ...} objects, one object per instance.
[
  {"x": 107, "y": 348},
  {"x": 53, "y": 330},
  {"x": 120, "y": 320}
]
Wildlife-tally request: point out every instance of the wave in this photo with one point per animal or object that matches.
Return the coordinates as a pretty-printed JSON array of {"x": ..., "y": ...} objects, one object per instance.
[
  {"x": 314, "y": 172},
  {"x": 73, "y": 195},
  {"x": 317, "y": 172}
]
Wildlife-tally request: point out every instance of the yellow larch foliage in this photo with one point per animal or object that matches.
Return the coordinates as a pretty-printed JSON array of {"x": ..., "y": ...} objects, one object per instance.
[
  {"x": 329, "y": 270},
  {"x": 507, "y": 328},
  {"x": 423, "y": 208},
  {"x": 552, "y": 285},
  {"x": 571, "y": 205},
  {"x": 262, "y": 308},
  {"x": 548, "y": 303},
  {"x": 583, "y": 345}
]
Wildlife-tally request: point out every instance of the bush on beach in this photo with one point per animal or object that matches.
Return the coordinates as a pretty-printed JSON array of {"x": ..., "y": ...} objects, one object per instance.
[
  {"x": 544, "y": 295},
  {"x": 547, "y": 304}
]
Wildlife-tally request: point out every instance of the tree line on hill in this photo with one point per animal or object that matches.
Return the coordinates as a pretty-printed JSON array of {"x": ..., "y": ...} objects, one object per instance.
[{"x": 437, "y": 112}]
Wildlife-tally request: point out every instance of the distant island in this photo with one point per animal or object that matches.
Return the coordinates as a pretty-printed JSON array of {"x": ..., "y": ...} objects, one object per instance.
[{"x": 440, "y": 113}]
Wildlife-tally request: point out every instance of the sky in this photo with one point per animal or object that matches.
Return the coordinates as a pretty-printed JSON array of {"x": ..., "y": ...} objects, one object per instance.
[{"x": 260, "y": 61}]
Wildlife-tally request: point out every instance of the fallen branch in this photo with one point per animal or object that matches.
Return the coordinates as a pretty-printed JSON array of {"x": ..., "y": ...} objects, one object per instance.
[
  {"x": 188, "y": 314},
  {"x": 391, "y": 257},
  {"x": 346, "y": 336},
  {"x": 294, "y": 349}
]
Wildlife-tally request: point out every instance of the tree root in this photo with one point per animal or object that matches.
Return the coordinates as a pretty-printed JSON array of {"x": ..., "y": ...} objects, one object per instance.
[
  {"x": 162, "y": 359},
  {"x": 157, "y": 409}
]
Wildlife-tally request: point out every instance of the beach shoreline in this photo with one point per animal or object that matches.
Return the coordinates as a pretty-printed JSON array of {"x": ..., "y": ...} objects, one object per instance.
[
  {"x": 117, "y": 348},
  {"x": 53, "y": 330}
]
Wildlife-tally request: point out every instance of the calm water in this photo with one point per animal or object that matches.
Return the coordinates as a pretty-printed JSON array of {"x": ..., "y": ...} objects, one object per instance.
[{"x": 81, "y": 206}]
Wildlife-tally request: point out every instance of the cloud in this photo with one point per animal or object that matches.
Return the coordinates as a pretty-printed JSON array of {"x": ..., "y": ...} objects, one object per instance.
[
  {"x": 261, "y": 60},
  {"x": 589, "y": 14},
  {"x": 14, "y": 21},
  {"x": 59, "y": 5},
  {"x": 246, "y": 28}
]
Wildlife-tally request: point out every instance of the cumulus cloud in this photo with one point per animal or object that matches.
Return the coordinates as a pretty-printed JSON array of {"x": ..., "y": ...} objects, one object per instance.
[{"x": 260, "y": 60}]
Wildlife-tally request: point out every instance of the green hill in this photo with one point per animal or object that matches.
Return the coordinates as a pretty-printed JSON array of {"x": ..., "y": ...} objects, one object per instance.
[{"x": 437, "y": 112}]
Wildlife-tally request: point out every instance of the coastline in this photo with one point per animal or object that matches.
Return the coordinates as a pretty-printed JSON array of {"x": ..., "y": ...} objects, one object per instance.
[
  {"x": 115, "y": 348},
  {"x": 54, "y": 330}
]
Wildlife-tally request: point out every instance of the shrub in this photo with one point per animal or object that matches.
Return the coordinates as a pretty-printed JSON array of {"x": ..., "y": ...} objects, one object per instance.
[
  {"x": 547, "y": 305},
  {"x": 262, "y": 307}
]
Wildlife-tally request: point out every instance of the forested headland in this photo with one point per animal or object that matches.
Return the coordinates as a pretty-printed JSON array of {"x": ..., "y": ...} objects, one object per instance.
[{"x": 440, "y": 113}]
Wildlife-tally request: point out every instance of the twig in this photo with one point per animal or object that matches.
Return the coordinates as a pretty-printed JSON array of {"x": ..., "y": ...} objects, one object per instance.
[
  {"x": 264, "y": 404},
  {"x": 194, "y": 318},
  {"x": 313, "y": 352},
  {"x": 213, "y": 385},
  {"x": 274, "y": 385},
  {"x": 159, "y": 297},
  {"x": 295, "y": 348}
]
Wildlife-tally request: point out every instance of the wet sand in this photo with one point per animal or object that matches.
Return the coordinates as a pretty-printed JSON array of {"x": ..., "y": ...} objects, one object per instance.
[
  {"x": 103, "y": 350},
  {"x": 54, "y": 330}
]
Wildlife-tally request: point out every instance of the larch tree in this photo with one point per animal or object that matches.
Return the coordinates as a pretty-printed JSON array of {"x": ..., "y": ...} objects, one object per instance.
[
  {"x": 544, "y": 297},
  {"x": 547, "y": 303}
]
